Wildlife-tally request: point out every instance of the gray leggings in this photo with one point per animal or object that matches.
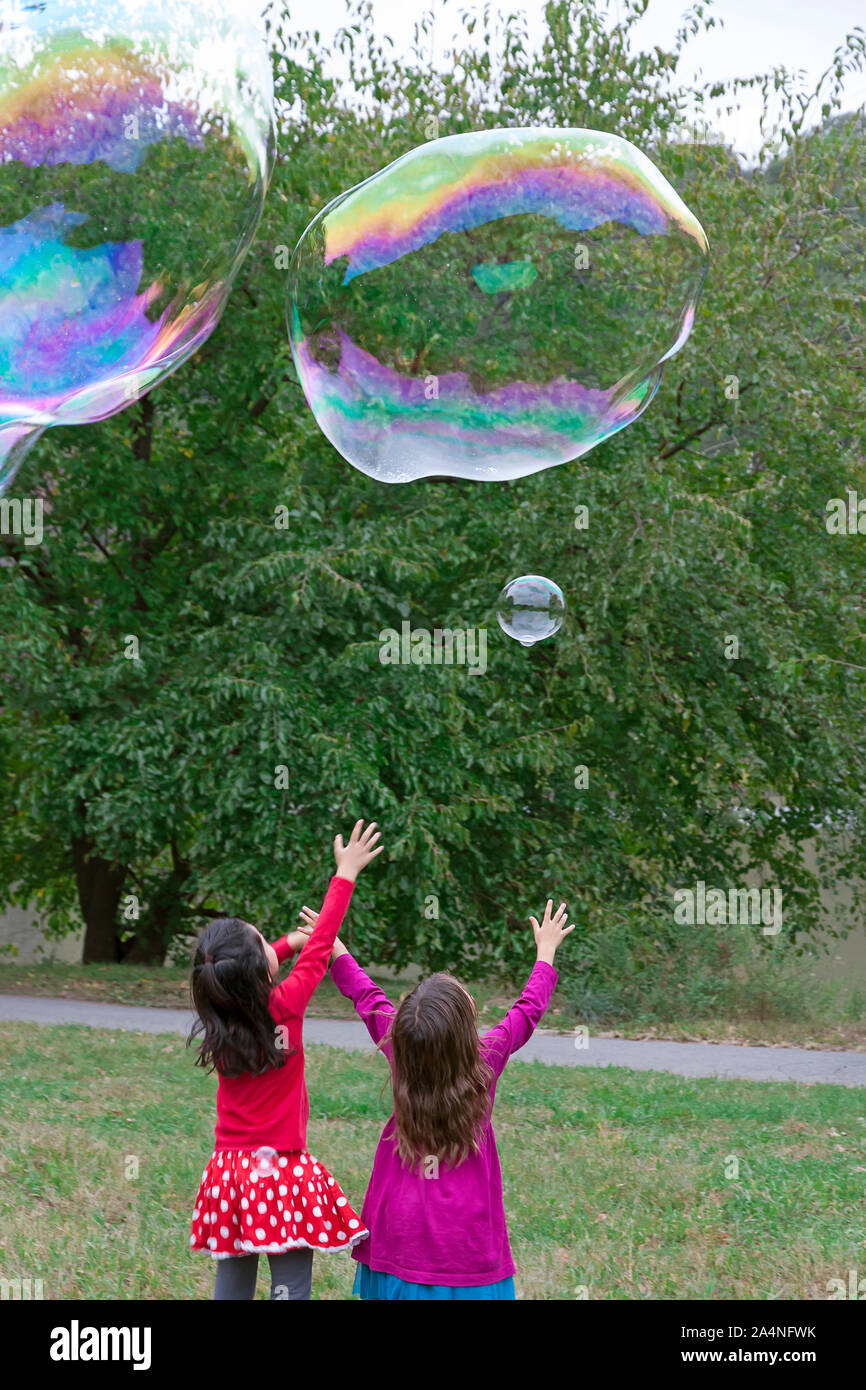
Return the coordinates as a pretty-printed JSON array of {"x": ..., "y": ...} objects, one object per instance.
[{"x": 291, "y": 1276}]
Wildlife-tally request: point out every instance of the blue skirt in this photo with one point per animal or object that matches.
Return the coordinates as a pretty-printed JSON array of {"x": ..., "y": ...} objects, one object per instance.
[{"x": 372, "y": 1284}]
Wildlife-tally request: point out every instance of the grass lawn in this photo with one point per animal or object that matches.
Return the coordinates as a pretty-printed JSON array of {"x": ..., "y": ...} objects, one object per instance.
[
  {"x": 614, "y": 1180},
  {"x": 168, "y": 987}
]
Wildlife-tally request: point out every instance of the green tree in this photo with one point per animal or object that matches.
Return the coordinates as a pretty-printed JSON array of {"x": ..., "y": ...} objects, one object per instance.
[{"x": 259, "y": 645}]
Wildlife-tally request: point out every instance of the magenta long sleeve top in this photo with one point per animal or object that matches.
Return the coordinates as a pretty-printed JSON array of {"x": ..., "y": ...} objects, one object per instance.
[{"x": 449, "y": 1229}]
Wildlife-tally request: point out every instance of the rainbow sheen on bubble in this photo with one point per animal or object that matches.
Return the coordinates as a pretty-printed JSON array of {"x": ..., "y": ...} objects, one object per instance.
[
  {"x": 493, "y": 304},
  {"x": 136, "y": 144}
]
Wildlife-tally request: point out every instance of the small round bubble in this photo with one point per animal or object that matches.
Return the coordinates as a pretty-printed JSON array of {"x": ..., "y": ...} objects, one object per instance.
[
  {"x": 136, "y": 143},
  {"x": 530, "y": 609},
  {"x": 492, "y": 304},
  {"x": 264, "y": 1163}
]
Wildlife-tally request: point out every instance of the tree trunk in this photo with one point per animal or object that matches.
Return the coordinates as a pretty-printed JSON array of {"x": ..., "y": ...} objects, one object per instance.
[
  {"x": 165, "y": 915},
  {"x": 100, "y": 884}
]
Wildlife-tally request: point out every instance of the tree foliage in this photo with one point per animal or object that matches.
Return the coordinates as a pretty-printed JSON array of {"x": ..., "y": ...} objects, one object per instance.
[{"x": 259, "y": 645}]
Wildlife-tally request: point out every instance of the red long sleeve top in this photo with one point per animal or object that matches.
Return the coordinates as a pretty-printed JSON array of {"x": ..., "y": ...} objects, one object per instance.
[{"x": 272, "y": 1109}]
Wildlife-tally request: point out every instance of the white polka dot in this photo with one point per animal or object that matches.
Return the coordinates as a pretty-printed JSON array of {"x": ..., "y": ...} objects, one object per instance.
[
  {"x": 328, "y": 1225},
  {"x": 317, "y": 1211},
  {"x": 237, "y": 1244},
  {"x": 260, "y": 1235},
  {"x": 279, "y": 1206},
  {"x": 195, "y": 1213},
  {"x": 309, "y": 1225},
  {"x": 220, "y": 1160},
  {"x": 353, "y": 1225},
  {"x": 341, "y": 1201},
  {"x": 224, "y": 1231},
  {"x": 341, "y": 1235},
  {"x": 206, "y": 1217},
  {"x": 298, "y": 1171},
  {"x": 234, "y": 1219},
  {"x": 224, "y": 1206},
  {"x": 283, "y": 1233},
  {"x": 282, "y": 1162},
  {"x": 245, "y": 1163},
  {"x": 273, "y": 1221},
  {"x": 316, "y": 1168},
  {"x": 270, "y": 1194},
  {"x": 262, "y": 1208},
  {"x": 192, "y": 1240},
  {"x": 303, "y": 1201},
  {"x": 214, "y": 1192},
  {"x": 249, "y": 1221},
  {"x": 244, "y": 1203},
  {"x": 295, "y": 1190},
  {"x": 310, "y": 1188},
  {"x": 232, "y": 1193},
  {"x": 296, "y": 1216},
  {"x": 212, "y": 1242},
  {"x": 323, "y": 1238},
  {"x": 282, "y": 1190}
]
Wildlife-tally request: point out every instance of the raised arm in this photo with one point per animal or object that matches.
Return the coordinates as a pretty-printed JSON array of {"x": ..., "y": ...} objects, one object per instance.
[
  {"x": 524, "y": 1016},
  {"x": 372, "y": 1004},
  {"x": 293, "y": 995},
  {"x": 291, "y": 943}
]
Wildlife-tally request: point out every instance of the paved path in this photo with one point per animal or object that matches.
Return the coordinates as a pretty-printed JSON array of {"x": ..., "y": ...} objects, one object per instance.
[{"x": 684, "y": 1059}]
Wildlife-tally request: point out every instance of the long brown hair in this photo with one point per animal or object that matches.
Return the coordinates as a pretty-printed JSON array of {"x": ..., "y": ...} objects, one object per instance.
[{"x": 441, "y": 1081}]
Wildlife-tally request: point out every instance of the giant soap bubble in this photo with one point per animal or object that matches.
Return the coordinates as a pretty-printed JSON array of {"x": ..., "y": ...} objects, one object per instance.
[
  {"x": 136, "y": 143},
  {"x": 492, "y": 304}
]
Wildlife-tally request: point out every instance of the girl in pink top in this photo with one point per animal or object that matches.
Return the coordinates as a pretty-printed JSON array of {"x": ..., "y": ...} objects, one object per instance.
[{"x": 434, "y": 1205}]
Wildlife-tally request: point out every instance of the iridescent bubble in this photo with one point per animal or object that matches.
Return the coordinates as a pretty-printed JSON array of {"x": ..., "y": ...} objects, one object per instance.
[
  {"x": 136, "y": 144},
  {"x": 492, "y": 304},
  {"x": 530, "y": 609}
]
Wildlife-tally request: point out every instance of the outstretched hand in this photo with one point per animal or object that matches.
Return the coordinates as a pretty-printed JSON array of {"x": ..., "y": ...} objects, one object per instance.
[
  {"x": 361, "y": 848},
  {"x": 552, "y": 931},
  {"x": 310, "y": 918}
]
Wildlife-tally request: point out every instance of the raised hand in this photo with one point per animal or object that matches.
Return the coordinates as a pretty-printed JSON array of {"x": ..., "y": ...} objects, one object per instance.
[
  {"x": 356, "y": 855},
  {"x": 310, "y": 918},
  {"x": 552, "y": 931}
]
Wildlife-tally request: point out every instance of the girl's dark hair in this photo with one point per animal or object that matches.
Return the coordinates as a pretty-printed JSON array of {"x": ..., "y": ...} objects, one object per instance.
[
  {"x": 440, "y": 1080},
  {"x": 230, "y": 988}
]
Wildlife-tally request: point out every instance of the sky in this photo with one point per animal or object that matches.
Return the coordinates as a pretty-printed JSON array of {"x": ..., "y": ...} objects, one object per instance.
[{"x": 754, "y": 36}]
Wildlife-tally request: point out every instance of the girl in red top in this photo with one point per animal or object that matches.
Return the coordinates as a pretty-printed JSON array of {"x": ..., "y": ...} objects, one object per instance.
[{"x": 261, "y": 1190}]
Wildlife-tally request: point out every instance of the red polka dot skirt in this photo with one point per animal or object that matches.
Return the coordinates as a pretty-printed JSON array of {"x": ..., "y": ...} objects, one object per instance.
[{"x": 257, "y": 1200}]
